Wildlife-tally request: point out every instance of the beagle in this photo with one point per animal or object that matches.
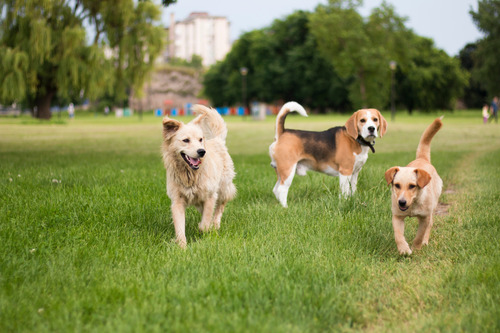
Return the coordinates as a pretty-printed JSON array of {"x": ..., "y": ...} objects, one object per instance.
[
  {"x": 338, "y": 151},
  {"x": 415, "y": 192}
]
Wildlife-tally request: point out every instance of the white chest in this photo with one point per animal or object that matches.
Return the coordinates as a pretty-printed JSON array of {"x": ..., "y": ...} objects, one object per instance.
[{"x": 360, "y": 159}]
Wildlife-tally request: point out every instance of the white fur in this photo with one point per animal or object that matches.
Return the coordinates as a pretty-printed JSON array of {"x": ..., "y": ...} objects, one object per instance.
[
  {"x": 281, "y": 191},
  {"x": 289, "y": 107},
  {"x": 210, "y": 186},
  {"x": 365, "y": 133}
]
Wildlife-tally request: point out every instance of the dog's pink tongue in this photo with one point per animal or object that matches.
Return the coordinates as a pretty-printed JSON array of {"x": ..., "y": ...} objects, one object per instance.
[{"x": 194, "y": 161}]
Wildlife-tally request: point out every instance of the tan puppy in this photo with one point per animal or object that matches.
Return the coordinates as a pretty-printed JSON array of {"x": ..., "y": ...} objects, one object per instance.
[
  {"x": 415, "y": 192},
  {"x": 339, "y": 151},
  {"x": 200, "y": 171}
]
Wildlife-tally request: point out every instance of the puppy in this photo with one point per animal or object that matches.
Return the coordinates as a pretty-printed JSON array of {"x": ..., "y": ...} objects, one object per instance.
[
  {"x": 415, "y": 192},
  {"x": 200, "y": 171},
  {"x": 339, "y": 151}
]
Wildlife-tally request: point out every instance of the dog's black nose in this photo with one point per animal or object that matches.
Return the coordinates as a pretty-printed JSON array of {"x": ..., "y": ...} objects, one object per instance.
[
  {"x": 402, "y": 202},
  {"x": 371, "y": 129},
  {"x": 201, "y": 152}
]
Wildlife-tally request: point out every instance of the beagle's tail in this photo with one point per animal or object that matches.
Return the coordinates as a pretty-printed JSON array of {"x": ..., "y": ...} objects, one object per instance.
[
  {"x": 424, "y": 147},
  {"x": 210, "y": 122},
  {"x": 280, "y": 118}
]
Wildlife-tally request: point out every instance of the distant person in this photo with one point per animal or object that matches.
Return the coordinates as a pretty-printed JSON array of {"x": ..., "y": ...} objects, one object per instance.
[
  {"x": 106, "y": 110},
  {"x": 486, "y": 113},
  {"x": 71, "y": 110},
  {"x": 494, "y": 109}
]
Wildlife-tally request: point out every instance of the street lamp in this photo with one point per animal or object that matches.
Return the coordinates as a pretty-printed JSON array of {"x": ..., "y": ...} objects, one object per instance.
[
  {"x": 244, "y": 72},
  {"x": 392, "y": 65}
]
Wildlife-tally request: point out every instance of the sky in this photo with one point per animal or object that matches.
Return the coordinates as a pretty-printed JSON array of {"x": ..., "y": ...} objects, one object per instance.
[{"x": 447, "y": 22}]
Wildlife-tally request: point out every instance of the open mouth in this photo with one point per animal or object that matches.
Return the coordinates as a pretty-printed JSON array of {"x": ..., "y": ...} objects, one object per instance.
[
  {"x": 403, "y": 208},
  {"x": 194, "y": 163}
]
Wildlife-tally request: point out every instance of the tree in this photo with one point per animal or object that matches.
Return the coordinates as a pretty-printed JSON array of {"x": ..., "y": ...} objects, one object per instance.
[
  {"x": 486, "y": 69},
  {"x": 361, "y": 49},
  {"x": 283, "y": 64},
  {"x": 474, "y": 94},
  {"x": 45, "y": 53},
  {"x": 431, "y": 79}
]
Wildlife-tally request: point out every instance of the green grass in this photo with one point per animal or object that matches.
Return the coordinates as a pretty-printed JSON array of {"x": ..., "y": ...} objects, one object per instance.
[{"x": 86, "y": 236}]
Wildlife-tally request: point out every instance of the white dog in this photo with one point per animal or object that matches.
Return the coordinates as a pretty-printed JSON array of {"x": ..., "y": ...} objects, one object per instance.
[{"x": 200, "y": 171}]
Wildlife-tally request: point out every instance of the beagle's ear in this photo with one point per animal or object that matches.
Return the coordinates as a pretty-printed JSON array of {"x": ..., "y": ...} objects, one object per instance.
[
  {"x": 423, "y": 178},
  {"x": 383, "y": 124},
  {"x": 389, "y": 174},
  {"x": 170, "y": 126},
  {"x": 352, "y": 125}
]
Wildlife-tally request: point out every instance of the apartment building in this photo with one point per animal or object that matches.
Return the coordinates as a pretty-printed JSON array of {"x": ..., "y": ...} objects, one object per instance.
[{"x": 200, "y": 34}]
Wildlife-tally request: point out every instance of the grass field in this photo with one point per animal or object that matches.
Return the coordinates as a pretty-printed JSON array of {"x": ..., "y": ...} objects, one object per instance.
[{"x": 86, "y": 236}]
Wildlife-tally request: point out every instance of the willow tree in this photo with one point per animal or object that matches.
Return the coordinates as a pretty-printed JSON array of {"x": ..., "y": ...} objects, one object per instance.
[{"x": 44, "y": 49}]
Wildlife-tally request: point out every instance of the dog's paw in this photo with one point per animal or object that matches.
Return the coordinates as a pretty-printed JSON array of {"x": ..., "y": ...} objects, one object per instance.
[
  {"x": 404, "y": 250},
  {"x": 204, "y": 227},
  {"x": 216, "y": 225},
  {"x": 181, "y": 242},
  {"x": 418, "y": 246}
]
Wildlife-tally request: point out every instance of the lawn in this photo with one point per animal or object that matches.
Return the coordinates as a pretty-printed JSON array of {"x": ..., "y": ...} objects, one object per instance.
[{"x": 87, "y": 237}]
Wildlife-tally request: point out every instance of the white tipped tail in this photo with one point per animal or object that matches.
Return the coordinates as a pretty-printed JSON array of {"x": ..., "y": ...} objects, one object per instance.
[{"x": 284, "y": 111}]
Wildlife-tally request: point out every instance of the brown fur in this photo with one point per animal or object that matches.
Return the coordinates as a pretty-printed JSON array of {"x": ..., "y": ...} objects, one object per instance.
[
  {"x": 415, "y": 192},
  {"x": 204, "y": 178},
  {"x": 334, "y": 152}
]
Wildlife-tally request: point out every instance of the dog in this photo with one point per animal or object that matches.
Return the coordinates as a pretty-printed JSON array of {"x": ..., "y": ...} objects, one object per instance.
[
  {"x": 339, "y": 151},
  {"x": 199, "y": 170},
  {"x": 415, "y": 192}
]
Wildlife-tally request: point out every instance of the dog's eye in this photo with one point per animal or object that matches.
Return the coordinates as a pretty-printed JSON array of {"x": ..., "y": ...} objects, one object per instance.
[
  {"x": 185, "y": 140},
  {"x": 375, "y": 120},
  {"x": 411, "y": 187},
  {"x": 363, "y": 121},
  {"x": 397, "y": 186},
  {"x": 201, "y": 140}
]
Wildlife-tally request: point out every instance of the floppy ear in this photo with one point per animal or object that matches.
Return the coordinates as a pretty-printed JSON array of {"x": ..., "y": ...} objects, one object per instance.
[
  {"x": 352, "y": 125},
  {"x": 383, "y": 124},
  {"x": 170, "y": 126},
  {"x": 423, "y": 178},
  {"x": 389, "y": 174}
]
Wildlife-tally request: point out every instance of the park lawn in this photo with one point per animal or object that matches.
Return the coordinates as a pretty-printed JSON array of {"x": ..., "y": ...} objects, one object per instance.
[{"x": 86, "y": 235}]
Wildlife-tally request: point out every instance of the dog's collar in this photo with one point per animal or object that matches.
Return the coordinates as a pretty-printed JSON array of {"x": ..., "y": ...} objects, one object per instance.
[{"x": 363, "y": 142}]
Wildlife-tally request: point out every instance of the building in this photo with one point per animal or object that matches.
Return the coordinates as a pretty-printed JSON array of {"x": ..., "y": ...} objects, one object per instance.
[{"x": 200, "y": 34}]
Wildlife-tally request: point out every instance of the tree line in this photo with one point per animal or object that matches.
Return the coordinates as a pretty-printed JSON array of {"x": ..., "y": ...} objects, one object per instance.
[
  {"x": 328, "y": 59},
  {"x": 333, "y": 58}
]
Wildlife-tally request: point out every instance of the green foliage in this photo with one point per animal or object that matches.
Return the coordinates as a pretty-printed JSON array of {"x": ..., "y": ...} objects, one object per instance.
[
  {"x": 474, "y": 94},
  {"x": 13, "y": 65},
  {"x": 45, "y": 52},
  {"x": 336, "y": 59},
  {"x": 361, "y": 49},
  {"x": 486, "y": 69},
  {"x": 432, "y": 79},
  {"x": 283, "y": 64},
  {"x": 133, "y": 33}
]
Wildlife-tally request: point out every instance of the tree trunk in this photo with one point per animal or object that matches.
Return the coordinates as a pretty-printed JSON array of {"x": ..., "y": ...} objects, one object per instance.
[{"x": 43, "y": 106}]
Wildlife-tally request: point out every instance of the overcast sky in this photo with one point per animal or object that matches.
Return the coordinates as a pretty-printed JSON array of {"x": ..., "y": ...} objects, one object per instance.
[{"x": 447, "y": 22}]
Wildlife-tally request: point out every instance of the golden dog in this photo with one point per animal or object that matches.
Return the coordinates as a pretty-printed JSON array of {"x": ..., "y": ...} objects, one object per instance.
[
  {"x": 415, "y": 192},
  {"x": 339, "y": 151},
  {"x": 200, "y": 171}
]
